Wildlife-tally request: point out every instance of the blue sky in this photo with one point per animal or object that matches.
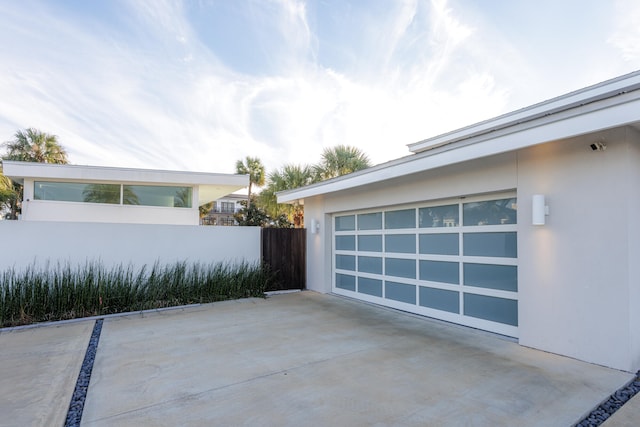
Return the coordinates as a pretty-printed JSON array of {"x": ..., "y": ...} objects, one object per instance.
[{"x": 196, "y": 85}]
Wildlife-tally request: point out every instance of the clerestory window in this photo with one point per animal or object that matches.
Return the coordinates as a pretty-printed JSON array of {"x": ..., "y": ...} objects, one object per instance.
[{"x": 143, "y": 195}]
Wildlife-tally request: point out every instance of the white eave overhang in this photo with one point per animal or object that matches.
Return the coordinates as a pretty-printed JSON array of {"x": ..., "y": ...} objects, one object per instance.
[
  {"x": 603, "y": 106},
  {"x": 579, "y": 98},
  {"x": 212, "y": 186}
]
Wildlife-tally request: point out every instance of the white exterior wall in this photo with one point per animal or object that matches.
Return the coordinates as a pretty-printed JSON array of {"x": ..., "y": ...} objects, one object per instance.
[
  {"x": 28, "y": 242},
  {"x": 573, "y": 275},
  {"x": 318, "y": 246},
  {"x": 634, "y": 245},
  {"x": 491, "y": 174},
  {"x": 49, "y": 210},
  {"x": 578, "y": 276}
]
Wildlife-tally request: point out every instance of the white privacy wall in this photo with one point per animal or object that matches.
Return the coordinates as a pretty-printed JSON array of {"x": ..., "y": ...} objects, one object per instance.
[{"x": 27, "y": 242}]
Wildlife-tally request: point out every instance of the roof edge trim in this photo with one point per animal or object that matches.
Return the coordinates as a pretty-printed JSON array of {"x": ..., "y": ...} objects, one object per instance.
[{"x": 597, "y": 92}]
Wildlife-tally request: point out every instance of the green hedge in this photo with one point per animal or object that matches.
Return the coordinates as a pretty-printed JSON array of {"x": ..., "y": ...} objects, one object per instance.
[{"x": 40, "y": 294}]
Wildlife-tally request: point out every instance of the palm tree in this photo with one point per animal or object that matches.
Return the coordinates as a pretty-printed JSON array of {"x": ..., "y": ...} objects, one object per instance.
[
  {"x": 253, "y": 167},
  {"x": 287, "y": 178},
  {"x": 341, "y": 160},
  {"x": 31, "y": 145},
  {"x": 7, "y": 193},
  {"x": 292, "y": 176}
]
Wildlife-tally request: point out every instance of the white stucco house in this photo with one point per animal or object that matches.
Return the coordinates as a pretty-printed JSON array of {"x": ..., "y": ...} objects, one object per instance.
[
  {"x": 526, "y": 225},
  {"x": 223, "y": 210},
  {"x": 74, "y": 193}
]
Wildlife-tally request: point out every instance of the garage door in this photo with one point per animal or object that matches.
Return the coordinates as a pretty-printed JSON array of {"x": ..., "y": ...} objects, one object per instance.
[{"x": 455, "y": 261}]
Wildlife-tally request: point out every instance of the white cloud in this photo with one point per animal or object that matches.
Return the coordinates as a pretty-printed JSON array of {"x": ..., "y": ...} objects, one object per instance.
[
  {"x": 294, "y": 26},
  {"x": 626, "y": 35},
  {"x": 152, "y": 94},
  {"x": 114, "y": 101}
]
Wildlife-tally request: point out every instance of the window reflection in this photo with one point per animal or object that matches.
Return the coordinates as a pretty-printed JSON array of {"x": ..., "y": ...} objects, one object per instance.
[
  {"x": 371, "y": 221},
  {"x": 76, "y": 192},
  {"x": 405, "y": 218},
  {"x": 345, "y": 223},
  {"x": 439, "y": 216},
  {"x": 147, "y": 195},
  {"x": 156, "y": 195},
  {"x": 491, "y": 212},
  {"x": 101, "y": 193}
]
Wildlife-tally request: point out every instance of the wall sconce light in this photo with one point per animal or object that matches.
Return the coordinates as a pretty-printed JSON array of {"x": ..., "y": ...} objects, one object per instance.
[
  {"x": 539, "y": 210},
  {"x": 315, "y": 226}
]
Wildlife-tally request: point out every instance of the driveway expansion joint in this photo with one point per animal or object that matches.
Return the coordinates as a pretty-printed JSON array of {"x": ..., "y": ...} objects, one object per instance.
[{"x": 76, "y": 406}]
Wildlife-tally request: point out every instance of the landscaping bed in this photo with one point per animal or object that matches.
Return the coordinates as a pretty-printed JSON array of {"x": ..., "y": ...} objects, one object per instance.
[{"x": 63, "y": 291}]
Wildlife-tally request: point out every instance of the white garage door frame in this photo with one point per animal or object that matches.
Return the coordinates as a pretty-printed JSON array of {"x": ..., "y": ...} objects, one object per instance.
[{"x": 372, "y": 260}]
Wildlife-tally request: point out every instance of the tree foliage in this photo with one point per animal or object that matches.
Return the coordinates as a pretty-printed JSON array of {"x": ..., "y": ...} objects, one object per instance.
[
  {"x": 341, "y": 160},
  {"x": 253, "y": 215},
  {"x": 6, "y": 190},
  {"x": 288, "y": 177},
  {"x": 32, "y": 145},
  {"x": 6, "y": 186},
  {"x": 253, "y": 167},
  {"x": 29, "y": 145},
  {"x": 203, "y": 210},
  {"x": 336, "y": 161},
  {"x": 292, "y": 176}
]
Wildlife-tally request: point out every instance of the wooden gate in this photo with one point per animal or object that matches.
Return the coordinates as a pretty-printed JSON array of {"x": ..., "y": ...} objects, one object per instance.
[{"x": 284, "y": 250}]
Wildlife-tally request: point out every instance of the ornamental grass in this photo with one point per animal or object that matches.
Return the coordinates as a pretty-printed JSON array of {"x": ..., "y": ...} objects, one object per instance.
[{"x": 63, "y": 291}]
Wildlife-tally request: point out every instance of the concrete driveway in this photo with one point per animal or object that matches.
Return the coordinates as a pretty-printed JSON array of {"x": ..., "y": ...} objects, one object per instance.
[{"x": 291, "y": 360}]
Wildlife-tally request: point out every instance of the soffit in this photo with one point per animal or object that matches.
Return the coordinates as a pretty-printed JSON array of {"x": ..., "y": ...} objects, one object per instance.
[{"x": 210, "y": 193}]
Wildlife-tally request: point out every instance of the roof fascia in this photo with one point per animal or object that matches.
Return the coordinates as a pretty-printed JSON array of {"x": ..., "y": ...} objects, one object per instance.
[
  {"x": 605, "y": 114},
  {"x": 600, "y": 91},
  {"x": 21, "y": 170}
]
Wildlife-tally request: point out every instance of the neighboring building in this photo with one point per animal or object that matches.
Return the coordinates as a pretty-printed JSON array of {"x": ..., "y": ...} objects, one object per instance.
[
  {"x": 223, "y": 210},
  {"x": 118, "y": 195},
  {"x": 457, "y": 231}
]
